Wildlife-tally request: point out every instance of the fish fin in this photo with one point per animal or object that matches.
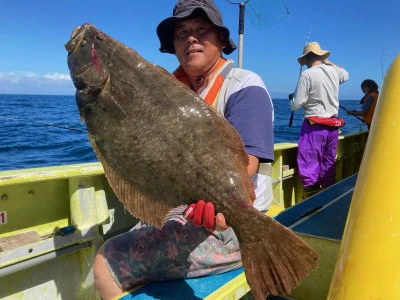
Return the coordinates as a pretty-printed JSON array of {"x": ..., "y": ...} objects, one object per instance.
[
  {"x": 274, "y": 257},
  {"x": 234, "y": 143},
  {"x": 177, "y": 211},
  {"x": 136, "y": 203},
  {"x": 163, "y": 70}
]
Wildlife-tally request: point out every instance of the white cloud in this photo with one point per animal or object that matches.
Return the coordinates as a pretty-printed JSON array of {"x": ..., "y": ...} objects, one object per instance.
[
  {"x": 58, "y": 76},
  {"x": 31, "y": 83}
]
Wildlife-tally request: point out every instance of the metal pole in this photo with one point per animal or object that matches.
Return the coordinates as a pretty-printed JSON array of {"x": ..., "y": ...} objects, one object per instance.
[
  {"x": 241, "y": 29},
  {"x": 241, "y": 33}
]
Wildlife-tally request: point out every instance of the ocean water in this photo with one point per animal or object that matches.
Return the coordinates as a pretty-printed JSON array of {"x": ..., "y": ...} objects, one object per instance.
[{"x": 38, "y": 131}]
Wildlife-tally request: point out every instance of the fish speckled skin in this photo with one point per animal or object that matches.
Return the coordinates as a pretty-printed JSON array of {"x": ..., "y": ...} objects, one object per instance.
[{"x": 162, "y": 146}]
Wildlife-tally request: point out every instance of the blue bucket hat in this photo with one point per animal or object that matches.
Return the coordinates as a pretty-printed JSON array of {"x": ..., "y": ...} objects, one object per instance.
[{"x": 184, "y": 9}]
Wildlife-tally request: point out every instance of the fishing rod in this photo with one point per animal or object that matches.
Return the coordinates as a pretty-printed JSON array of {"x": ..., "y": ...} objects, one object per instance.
[
  {"x": 352, "y": 114},
  {"x": 301, "y": 68},
  {"x": 291, "y": 97},
  {"x": 43, "y": 124}
]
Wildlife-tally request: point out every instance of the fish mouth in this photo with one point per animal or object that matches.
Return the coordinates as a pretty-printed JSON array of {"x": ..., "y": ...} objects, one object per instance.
[{"x": 76, "y": 39}]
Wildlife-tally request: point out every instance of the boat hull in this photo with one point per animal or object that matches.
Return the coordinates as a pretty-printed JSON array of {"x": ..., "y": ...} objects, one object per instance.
[{"x": 38, "y": 262}]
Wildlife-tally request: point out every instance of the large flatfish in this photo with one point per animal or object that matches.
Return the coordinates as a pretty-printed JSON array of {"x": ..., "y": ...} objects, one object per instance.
[{"x": 162, "y": 146}]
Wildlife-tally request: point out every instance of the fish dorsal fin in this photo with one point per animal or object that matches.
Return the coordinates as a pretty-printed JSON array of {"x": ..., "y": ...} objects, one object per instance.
[
  {"x": 234, "y": 143},
  {"x": 136, "y": 203}
]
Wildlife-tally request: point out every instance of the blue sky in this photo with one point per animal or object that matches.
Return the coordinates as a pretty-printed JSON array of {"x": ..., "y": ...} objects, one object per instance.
[{"x": 363, "y": 37}]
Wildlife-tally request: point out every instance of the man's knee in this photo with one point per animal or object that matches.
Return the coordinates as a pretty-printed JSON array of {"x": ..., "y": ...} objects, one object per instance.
[
  {"x": 100, "y": 268},
  {"x": 103, "y": 280}
]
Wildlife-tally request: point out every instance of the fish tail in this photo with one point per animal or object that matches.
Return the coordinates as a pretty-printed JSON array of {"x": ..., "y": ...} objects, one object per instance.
[{"x": 274, "y": 257}]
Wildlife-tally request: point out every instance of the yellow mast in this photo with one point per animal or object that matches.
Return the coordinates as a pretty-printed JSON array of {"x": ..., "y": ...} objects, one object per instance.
[{"x": 368, "y": 263}]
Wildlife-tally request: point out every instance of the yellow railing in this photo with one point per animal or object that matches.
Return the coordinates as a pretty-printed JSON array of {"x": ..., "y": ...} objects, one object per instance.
[
  {"x": 38, "y": 202},
  {"x": 38, "y": 186},
  {"x": 287, "y": 189}
]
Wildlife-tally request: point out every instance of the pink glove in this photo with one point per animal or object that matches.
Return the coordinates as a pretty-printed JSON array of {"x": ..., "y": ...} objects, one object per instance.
[{"x": 201, "y": 214}]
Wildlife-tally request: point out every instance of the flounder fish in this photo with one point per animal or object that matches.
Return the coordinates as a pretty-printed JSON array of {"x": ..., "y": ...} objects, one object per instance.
[{"x": 162, "y": 146}]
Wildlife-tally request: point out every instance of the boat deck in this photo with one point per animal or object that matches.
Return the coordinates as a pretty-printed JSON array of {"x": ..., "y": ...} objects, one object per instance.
[
  {"x": 328, "y": 208},
  {"x": 320, "y": 220}
]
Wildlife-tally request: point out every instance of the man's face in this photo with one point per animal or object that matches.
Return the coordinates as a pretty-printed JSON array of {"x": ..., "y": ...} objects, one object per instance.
[
  {"x": 365, "y": 89},
  {"x": 197, "y": 44}
]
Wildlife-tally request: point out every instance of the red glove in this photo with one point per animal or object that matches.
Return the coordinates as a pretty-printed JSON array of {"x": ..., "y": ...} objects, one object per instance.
[{"x": 201, "y": 214}]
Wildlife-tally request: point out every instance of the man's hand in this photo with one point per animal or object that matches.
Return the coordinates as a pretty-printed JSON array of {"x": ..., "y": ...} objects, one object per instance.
[
  {"x": 291, "y": 96},
  {"x": 350, "y": 111},
  {"x": 203, "y": 214}
]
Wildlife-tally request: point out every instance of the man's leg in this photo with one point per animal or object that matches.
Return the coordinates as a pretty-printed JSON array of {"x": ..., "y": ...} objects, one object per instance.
[
  {"x": 103, "y": 279},
  {"x": 309, "y": 154},
  {"x": 328, "y": 164},
  {"x": 177, "y": 250}
]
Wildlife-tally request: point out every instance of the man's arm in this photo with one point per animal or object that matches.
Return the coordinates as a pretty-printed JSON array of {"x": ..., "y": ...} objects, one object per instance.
[
  {"x": 343, "y": 74},
  {"x": 301, "y": 94},
  {"x": 356, "y": 112},
  {"x": 364, "y": 108},
  {"x": 253, "y": 165},
  {"x": 329, "y": 63}
]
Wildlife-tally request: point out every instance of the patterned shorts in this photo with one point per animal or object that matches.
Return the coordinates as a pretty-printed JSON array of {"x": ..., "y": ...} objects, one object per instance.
[{"x": 177, "y": 250}]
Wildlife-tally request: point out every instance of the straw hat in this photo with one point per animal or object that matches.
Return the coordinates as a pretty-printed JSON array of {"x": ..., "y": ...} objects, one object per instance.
[
  {"x": 315, "y": 48},
  {"x": 184, "y": 9}
]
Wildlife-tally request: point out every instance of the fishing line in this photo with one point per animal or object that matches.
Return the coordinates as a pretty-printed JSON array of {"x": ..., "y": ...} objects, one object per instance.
[
  {"x": 382, "y": 62},
  {"x": 287, "y": 9},
  {"x": 43, "y": 124},
  {"x": 301, "y": 68}
]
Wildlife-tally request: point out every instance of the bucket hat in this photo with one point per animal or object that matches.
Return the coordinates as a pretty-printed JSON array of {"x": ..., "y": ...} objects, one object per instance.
[
  {"x": 184, "y": 9},
  {"x": 315, "y": 48}
]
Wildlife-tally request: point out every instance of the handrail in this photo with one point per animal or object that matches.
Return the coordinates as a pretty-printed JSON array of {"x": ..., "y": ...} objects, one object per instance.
[{"x": 42, "y": 258}]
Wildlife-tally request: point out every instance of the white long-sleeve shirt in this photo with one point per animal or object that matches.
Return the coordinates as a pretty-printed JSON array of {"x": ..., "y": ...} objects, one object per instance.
[{"x": 318, "y": 91}]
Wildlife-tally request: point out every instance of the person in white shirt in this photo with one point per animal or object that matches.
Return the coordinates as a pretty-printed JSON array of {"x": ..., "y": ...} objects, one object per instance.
[{"x": 317, "y": 92}]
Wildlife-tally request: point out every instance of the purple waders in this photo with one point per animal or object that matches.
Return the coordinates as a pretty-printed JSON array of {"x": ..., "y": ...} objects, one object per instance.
[{"x": 317, "y": 154}]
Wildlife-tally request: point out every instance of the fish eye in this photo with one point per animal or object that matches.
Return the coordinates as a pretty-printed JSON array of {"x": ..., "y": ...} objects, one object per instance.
[
  {"x": 100, "y": 36},
  {"x": 83, "y": 43}
]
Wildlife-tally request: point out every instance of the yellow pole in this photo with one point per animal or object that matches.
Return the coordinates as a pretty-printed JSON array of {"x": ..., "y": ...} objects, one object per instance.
[{"x": 368, "y": 264}]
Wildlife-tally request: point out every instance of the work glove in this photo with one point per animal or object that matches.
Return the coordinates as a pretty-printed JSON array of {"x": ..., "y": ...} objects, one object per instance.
[{"x": 201, "y": 214}]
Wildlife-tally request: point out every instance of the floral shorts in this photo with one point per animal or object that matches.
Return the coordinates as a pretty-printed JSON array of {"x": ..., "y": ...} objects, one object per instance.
[{"x": 177, "y": 250}]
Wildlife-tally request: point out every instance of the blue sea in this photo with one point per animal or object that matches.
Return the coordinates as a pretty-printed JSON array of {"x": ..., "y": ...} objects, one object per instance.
[{"x": 38, "y": 131}]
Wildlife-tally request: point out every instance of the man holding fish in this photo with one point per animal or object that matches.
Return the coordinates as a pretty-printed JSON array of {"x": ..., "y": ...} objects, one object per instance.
[
  {"x": 196, "y": 35},
  {"x": 166, "y": 143}
]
